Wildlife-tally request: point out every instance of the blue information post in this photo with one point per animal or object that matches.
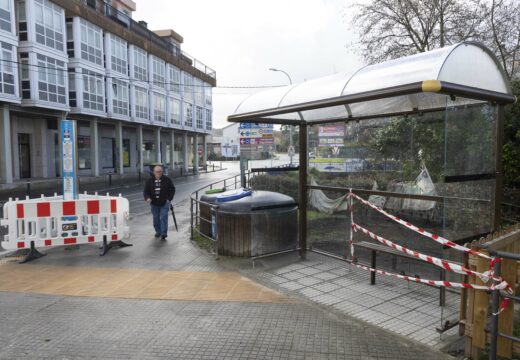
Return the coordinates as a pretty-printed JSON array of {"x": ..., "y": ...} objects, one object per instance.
[{"x": 68, "y": 168}]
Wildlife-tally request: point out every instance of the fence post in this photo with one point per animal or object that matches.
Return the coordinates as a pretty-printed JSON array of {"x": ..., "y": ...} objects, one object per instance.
[
  {"x": 495, "y": 301},
  {"x": 191, "y": 218},
  {"x": 197, "y": 208},
  {"x": 505, "y": 321}
]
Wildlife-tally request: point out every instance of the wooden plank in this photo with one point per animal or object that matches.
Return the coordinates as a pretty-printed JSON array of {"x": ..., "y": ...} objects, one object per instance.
[
  {"x": 505, "y": 319},
  {"x": 468, "y": 331},
  {"x": 481, "y": 304},
  {"x": 463, "y": 298}
]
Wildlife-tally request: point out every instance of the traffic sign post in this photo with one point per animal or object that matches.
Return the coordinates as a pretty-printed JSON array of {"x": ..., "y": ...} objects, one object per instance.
[{"x": 68, "y": 168}]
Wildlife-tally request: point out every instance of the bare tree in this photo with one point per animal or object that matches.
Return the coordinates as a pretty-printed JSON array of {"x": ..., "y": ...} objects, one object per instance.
[
  {"x": 393, "y": 28},
  {"x": 502, "y": 34}
]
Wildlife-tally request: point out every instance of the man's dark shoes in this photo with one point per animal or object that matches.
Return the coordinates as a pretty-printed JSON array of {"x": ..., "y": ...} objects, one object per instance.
[
  {"x": 163, "y": 237},
  {"x": 157, "y": 235}
]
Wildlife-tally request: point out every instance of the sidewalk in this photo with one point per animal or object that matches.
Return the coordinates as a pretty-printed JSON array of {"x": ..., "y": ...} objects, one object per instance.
[{"x": 172, "y": 300}]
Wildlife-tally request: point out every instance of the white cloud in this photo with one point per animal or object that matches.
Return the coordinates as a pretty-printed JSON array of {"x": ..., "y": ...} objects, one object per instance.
[{"x": 242, "y": 39}]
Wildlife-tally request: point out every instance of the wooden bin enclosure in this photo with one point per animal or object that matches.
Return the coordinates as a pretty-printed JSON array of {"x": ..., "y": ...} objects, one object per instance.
[
  {"x": 262, "y": 223},
  {"x": 205, "y": 212}
]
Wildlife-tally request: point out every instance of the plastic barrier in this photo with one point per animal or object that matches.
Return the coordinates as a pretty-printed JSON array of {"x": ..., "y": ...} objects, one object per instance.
[{"x": 52, "y": 221}]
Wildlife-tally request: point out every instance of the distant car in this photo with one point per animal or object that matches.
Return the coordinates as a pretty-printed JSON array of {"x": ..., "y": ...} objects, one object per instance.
[{"x": 312, "y": 155}]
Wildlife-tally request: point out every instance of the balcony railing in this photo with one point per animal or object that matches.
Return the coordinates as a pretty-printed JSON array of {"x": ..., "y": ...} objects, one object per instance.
[{"x": 124, "y": 20}]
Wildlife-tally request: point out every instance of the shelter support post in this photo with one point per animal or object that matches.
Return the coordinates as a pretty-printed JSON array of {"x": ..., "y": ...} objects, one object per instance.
[
  {"x": 302, "y": 190},
  {"x": 498, "y": 166}
]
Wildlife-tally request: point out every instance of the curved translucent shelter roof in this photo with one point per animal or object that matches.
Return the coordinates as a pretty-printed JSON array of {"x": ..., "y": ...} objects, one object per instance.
[{"x": 409, "y": 84}]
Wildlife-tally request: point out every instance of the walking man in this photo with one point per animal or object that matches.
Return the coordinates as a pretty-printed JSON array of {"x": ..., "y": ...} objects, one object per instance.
[{"x": 158, "y": 192}]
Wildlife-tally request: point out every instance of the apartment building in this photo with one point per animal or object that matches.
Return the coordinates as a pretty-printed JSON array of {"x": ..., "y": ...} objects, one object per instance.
[{"x": 136, "y": 96}]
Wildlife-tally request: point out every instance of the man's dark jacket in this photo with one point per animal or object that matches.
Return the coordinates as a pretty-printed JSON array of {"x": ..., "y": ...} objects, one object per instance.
[{"x": 166, "y": 193}]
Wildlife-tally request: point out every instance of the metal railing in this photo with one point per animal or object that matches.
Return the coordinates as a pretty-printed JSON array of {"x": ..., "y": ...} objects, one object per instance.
[
  {"x": 496, "y": 297},
  {"x": 124, "y": 20}
]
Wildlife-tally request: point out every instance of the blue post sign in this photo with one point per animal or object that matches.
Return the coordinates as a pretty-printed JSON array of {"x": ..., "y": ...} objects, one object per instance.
[{"x": 68, "y": 167}]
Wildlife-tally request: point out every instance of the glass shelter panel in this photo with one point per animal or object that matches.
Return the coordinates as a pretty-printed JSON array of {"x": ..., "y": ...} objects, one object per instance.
[{"x": 446, "y": 155}]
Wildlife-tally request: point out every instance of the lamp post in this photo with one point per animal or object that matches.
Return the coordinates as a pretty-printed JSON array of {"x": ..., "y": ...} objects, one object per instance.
[{"x": 291, "y": 154}]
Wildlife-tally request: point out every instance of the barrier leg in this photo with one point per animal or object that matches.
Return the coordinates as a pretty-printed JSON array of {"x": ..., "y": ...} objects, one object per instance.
[
  {"x": 373, "y": 265},
  {"x": 107, "y": 246},
  {"x": 32, "y": 255}
]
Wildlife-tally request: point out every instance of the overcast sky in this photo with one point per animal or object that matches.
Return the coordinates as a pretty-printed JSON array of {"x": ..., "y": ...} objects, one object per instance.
[{"x": 242, "y": 39}]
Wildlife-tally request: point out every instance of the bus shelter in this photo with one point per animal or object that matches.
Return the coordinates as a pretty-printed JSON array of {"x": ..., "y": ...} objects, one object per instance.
[{"x": 419, "y": 136}]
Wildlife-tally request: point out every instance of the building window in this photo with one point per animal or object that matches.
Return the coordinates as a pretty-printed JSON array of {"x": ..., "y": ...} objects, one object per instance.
[
  {"x": 175, "y": 111},
  {"x": 208, "y": 94},
  {"x": 188, "y": 87},
  {"x": 141, "y": 103},
  {"x": 72, "y": 88},
  {"x": 120, "y": 97},
  {"x": 70, "y": 39},
  {"x": 198, "y": 117},
  {"x": 93, "y": 98},
  {"x": 7, "y": 68},
  {"x": 91, "y": 43},
  {"x": 49, "y": 24},
  {"x": 22, "y": 20},
  {"x": 198, "y": 90},
  {"x": 83, "y": 152},
  {"x": 5, "y": 15},
  {"x": 209, "y": 120},
  {"x": 119, "y": 55},
  {"x": 175, "y": 80},
  {"x": 159, "y": 107},
  {"x": 158, "y": 72},
  {"x": 188, "y": 114},
  {"x": 140, "y": 65},
  {"x": 51, "y": 79}
]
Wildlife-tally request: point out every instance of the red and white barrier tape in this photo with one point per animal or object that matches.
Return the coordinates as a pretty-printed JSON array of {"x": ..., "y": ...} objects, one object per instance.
[
  {"x": 410, "y": 226},
  {"x": 500, "y": 286},
  {"x": 485, "y": 277}
]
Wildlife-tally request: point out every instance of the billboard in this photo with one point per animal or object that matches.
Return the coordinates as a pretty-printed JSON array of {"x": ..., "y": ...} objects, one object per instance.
[{"x": 331, "y": 131}]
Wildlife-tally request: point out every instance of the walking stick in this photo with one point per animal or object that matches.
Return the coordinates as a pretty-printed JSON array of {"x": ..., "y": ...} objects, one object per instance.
[{"x": 174, "y": 219}]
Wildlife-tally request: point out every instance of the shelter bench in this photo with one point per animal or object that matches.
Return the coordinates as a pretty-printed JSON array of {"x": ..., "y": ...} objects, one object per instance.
[{"x": 374, "y": 248}]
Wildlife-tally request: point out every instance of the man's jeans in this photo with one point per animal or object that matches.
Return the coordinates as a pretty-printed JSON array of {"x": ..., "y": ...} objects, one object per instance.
[{"x": 160, "y": 218}]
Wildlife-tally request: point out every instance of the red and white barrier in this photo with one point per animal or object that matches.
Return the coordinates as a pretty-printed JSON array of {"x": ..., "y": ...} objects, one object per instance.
[
  {"x": 499, "y": 283},
  {"x": 53, "y": 221}
]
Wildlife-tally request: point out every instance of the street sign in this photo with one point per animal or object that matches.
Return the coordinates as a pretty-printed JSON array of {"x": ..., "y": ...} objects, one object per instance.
[
  {"x": 255, "y": 126},
  {"x": 291, "y": 151},
  {"x": 251, "y": 133},
  {"x": 68, "y": 146}
]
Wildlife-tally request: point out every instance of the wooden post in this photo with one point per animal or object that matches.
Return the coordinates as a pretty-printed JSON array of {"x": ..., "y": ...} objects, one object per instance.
[{"x": 505, "y": 319}]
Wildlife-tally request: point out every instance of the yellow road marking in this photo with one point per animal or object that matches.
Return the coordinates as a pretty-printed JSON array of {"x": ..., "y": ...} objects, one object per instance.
[{"x": 134, "y": 283}]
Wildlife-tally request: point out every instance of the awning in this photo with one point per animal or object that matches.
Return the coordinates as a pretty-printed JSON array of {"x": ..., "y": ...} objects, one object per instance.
[{"x": 419, "y": 83}]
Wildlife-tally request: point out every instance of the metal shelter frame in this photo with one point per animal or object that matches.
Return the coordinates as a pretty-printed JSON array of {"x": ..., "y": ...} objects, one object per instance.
[{"x": 467, "y": 70}]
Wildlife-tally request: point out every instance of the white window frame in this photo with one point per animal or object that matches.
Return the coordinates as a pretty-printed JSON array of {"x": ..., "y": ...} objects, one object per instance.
[
  {"x": 91, "y": 43},
  {"x": 175, "y": 79},
  {"x": 175, "y": 111},
  {"x": 141, "y": 103},
  {"x": 140, "y": 68},
  {"x": 49, "y": 25},
  {"x": 8, "y": 69},
  {"x": 158, "y": 72},
  {"x": 119, "y": 55},
  {"x": 120, "y": 97},
  {"x": 93, "y": 91},
  {"x": 209, "y": 119},
  {"x": 52, "y": 76},
  {"x": 188, "y": 114},
  {"x": 208, "y": 94},
  {"x": 198, "y": 91},
  {"x": 199, "y": 120},
  {"x": 6, "y": 19},
  {"x": 159, "y": 107},
  {"x": 188, "y": 86}
]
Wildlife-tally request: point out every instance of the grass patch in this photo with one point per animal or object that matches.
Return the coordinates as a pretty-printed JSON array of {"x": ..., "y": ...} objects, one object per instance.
[
  {"x": 315, "y": 215},
  {"x": 202, "y": 242}
]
